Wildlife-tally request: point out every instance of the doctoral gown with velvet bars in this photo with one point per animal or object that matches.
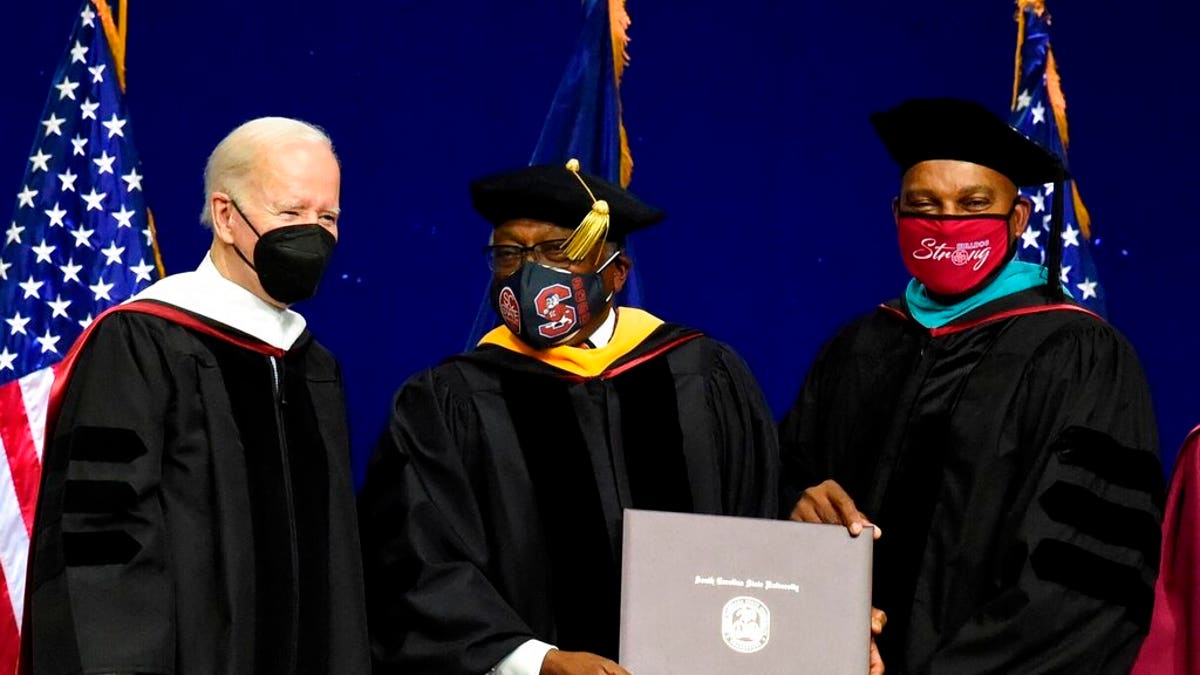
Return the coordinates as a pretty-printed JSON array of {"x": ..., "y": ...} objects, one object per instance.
[
  {"x": 492, "y": 512},
  {"x": 196, "y": 513},
  {"x": 1010, "y": 460}
]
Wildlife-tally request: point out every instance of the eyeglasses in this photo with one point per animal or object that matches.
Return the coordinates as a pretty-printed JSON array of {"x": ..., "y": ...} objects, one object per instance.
[{"x": 507, "y": 257}]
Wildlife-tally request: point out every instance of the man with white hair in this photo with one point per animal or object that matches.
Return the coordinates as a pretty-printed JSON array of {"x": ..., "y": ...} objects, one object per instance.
[{"x": 196, "y": 513}]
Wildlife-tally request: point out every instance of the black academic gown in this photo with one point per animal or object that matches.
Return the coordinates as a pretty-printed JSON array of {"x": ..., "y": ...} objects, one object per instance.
[
  {"x": 492, "y": 512},
  {"x": 1010, "y": 460},
  {"x": 196, "y": 513}
]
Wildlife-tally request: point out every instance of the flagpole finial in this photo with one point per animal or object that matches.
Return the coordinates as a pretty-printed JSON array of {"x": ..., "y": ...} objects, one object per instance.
[{"x": 593, "y": 229}]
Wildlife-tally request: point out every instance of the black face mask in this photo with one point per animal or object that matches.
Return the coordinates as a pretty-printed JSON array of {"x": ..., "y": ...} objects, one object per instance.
[
  {"x": 547, "y": 306},
  {"x": 290, "y": 261}
]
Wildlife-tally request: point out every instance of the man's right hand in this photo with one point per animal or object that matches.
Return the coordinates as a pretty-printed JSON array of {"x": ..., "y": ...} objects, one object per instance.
[
  {"x": 558, "y": 662},
  {"x": 829, "y": 503}
]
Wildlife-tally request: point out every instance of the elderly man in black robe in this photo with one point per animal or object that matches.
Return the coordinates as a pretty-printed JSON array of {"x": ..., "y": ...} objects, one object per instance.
[
  {"x": 492, "y": 513},
  {"x": 196, "y": 514}
]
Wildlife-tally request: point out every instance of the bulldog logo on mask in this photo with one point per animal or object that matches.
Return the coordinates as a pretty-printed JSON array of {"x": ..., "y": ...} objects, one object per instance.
[{"x": 551, "y": 304}]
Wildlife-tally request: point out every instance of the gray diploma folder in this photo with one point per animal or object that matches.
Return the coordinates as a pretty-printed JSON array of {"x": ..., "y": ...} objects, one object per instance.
[{"x": 709, "y": 595}]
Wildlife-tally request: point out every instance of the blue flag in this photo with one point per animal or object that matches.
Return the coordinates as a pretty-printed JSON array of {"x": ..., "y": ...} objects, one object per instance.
[
  {"x": 1039, "y": 111},
  {"x": 584, "y": 122}
]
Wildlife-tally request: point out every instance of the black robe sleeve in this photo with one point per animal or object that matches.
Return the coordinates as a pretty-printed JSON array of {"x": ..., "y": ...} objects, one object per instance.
[
  {"x": 98, "y": 581},
  {"x": 834, "y": 429},
  {"x": 1075, "y": 584},
  {"x": 802, "y": 465},
  {"x": 747, "y": 438},
  {"x": 431, "y": 606}
]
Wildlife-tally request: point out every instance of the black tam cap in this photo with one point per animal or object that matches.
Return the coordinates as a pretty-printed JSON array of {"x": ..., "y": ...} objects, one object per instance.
[
  {"x": 948, "y": 128},
  {"x": 565, "y": 196}
]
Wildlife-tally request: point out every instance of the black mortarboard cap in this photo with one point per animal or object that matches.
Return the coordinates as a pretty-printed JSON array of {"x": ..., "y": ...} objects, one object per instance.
[
  {"x": 949, "y": 128},
  {"x": 565, "y": 196}
]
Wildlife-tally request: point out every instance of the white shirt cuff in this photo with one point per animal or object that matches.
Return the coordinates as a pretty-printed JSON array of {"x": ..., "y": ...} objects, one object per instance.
[{"x": 524, "y": 660}]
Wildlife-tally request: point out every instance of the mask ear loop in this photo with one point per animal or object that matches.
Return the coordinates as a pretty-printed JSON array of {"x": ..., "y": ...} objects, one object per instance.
[
  {"x": 609, "y": 261},
  {"x": 252, "y": 229},
  {"x": 600, "y": 269}
]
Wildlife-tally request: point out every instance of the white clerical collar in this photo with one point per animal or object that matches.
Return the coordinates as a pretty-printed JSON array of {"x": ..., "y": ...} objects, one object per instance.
[
  {"x": 604, "y": 332},
  {"x": 207, "y": 293}
]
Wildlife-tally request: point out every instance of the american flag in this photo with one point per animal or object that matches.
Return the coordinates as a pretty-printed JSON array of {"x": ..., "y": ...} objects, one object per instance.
[
  {"x": 80, "y": 241},
  {"x": 1040, "y": 112}
]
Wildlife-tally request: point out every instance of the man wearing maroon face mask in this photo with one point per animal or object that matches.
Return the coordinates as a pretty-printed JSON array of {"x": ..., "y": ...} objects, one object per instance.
[{"x": 999, "y": 435}]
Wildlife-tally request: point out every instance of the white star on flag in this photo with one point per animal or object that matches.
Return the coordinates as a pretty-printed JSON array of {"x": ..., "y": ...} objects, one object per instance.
[
  {"x": 43, "y": 252},
  {"x": 94, "y": 200},
  {"x": 48, "y": 342},
  {"x": 56, "y": 215},
  {"x": 1039, "y": 113},
  {"x": 59, "y": 307},
  {"x": 6, "y": 359},
  {"x": 113, "y": 253},
  {"x": 142, "y": 270},
  {"x": 115, "y": 127},
  {"x": 78, "y": 145},
  {"x": 4, "y": 269},
  {"x": 86, "y": 321},
  {"x": 30, "y": 287},
  {"x": 97, "y": 73},
  {"x": 88, "y": 16},
  {"x": 1066, "y": 274},
  {"x": 1029, "y": 238},
  {"x": 133, "y": 180},
  {"x": 17, "y": 324},
  {"x": 77, "y": 53},
  {"x": 101, "y": 289},
  {"x": 82, "y": 236},
  {"x": 1039, "y": 202},
  {"x": 71, "y": 270},
  {"x": 66, "y": 89},
  {"x": 25, "y": 197},
  {"x": 41, "y": 161},
  {"x": 13, "y": 234},
  {"x": 88, "y": 109},
  {"x": 53, "y": 125},
  {"x": 1024, "y": 99},
  {"x": 104, "y": 162},
  {"x": 123, "y": 216},
  {"x": 68, "y": 181},
  {"x": 1070, "y": 236},
  {"x": 1089, "y": 289}
]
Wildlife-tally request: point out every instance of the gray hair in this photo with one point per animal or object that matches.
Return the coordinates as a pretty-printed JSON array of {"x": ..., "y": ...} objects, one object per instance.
[{"x": 234, "y": 157}]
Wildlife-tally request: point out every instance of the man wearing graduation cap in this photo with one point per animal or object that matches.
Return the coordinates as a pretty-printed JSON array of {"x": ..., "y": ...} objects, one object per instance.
[
  {"x": 492, "y": 512},
  {"x": 999, "y": 435}
]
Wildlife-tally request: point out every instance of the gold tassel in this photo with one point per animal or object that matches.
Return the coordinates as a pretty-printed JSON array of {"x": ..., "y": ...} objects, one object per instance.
[{"x": 593, "y": 230}]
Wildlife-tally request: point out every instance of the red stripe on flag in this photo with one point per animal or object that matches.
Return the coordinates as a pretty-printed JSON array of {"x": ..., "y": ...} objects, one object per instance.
[
  {"x": 10, "y": 634},
  {"x": 23, "y": 461}
]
